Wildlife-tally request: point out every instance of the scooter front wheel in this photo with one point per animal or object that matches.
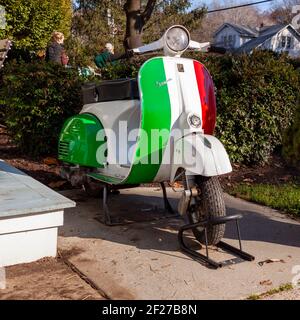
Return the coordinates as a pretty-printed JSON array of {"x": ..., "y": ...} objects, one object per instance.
[{"x": 210, "y": 204}]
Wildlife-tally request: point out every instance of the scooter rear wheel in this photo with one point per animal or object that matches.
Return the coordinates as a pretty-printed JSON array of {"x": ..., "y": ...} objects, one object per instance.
[{"x": 209, "y": 204}]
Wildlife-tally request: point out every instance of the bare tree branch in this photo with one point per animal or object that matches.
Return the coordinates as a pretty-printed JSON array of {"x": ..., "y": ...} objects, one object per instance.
[{"x": 148, "y": 10}]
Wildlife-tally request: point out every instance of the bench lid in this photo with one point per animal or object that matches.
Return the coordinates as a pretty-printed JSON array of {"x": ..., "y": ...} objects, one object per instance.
[{"x": 22, "y": 195}]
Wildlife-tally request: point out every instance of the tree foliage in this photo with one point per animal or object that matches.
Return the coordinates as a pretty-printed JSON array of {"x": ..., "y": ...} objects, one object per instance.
[
  {"x": 31, "y": 22},
  {"x": 96, "y": 22},
  {"x": 282, "y": 11},
  {"x": 36, "y": 98}
]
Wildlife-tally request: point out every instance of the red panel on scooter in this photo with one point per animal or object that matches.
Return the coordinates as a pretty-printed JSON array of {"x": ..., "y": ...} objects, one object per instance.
[{"x": 208, "y": 98}]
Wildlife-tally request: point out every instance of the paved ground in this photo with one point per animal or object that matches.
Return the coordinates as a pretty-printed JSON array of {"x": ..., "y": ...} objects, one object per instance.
[{"x": 143, "y": 261}]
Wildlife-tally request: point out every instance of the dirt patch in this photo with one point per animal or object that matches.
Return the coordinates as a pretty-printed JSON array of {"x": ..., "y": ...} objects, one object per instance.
[
  {"x": 46, "y": 279},
  {"x": 277, "y": 172},
  {"x": 47, "y": 172},
  {"x": 41, "y": 169}
]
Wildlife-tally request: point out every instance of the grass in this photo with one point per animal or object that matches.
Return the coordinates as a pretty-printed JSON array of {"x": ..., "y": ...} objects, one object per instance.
[
  {"x": 283, "y": 197},
  {"x": 282, "y": 288}
]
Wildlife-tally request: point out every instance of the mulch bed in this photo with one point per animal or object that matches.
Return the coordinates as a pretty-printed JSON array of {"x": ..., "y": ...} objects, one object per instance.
[{"x": 46, "y": 170}]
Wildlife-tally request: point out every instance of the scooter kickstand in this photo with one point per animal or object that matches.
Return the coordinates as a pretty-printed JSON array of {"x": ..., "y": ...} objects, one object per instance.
[
  {"x": 107, "y": 217},
  {"x": 167, "y": 204}
]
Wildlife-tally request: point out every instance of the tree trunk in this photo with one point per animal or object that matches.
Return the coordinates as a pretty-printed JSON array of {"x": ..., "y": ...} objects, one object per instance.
[
  {"x": 136, "y": 19},
  {"x": 134, "y": 24}
]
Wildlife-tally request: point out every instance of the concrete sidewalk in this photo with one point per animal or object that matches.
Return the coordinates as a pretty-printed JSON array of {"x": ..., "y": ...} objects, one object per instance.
[{"x": 143, "y": 261}]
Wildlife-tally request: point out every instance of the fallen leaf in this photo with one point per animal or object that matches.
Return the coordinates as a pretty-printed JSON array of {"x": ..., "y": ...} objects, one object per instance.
[
  {"x": 266, "y": 283},
  {"x": 248, "y": 180},
  {"x": 50, "y": 161},
  {"x": 285, "y": 178},
  {"x": 56, "y": 184},
  {"x": 261, "y": 263}
]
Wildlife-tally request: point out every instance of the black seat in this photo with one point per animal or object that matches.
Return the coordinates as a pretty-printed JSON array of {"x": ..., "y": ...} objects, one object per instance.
[{"x": 121, "y": 89}]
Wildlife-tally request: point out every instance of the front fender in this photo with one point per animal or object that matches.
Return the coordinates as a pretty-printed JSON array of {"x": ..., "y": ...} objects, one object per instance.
[{"x": 200, "y": 154}]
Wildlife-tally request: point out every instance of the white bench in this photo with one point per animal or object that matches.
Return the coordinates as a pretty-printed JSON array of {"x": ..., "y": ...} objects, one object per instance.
[{"x": 30, "y": 214}]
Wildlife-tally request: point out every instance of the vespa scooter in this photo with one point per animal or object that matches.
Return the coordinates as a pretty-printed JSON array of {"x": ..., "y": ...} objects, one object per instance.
[{"x": 157, "y": 128}]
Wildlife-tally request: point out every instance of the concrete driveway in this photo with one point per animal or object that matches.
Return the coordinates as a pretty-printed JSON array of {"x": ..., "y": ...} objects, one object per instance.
[{"x": 143, "y": 261}]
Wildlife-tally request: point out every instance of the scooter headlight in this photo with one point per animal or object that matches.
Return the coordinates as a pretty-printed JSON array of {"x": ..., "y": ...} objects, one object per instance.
[
  {"x": 177, "y": 38},
  {"x": 194, "y": 121}
]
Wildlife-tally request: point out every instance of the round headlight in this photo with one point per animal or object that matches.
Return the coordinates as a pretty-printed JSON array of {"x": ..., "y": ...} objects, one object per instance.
[
  {"x": 177, "y": 38},
  {"x": 195, "y": 121}
]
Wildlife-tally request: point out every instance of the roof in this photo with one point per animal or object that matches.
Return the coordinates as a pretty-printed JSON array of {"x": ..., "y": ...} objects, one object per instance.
[
  {"x": 242, "y": 30},
  {"x": 265, "y": 34}
]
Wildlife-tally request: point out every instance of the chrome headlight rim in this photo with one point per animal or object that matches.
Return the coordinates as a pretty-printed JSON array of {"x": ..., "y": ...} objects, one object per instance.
[{"x": 187, "y": 34}]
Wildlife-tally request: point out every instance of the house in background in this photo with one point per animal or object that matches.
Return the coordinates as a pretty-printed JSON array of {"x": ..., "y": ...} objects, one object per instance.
[{"x": 241, "y": 39}]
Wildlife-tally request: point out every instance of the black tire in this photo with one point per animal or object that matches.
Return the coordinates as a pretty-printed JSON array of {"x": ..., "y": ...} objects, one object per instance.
[{"x": 210, "y": 204}]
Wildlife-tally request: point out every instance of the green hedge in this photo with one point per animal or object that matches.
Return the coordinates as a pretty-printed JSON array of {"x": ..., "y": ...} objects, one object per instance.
[
  {"x": 291, "y": 145},
  {"x": 256, "y": 96},
  {"x": 37, "y": 98}
]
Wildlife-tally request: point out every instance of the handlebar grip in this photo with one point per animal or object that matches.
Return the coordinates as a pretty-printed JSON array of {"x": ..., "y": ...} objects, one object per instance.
[{"x": 214, "y": 49}]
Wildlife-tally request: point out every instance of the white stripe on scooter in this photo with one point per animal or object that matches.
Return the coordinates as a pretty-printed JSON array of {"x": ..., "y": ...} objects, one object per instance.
[
  {"x": 170, "y": 65},
  {"x": 184, "y": 97},
  {"x": 189, "y": 85}
]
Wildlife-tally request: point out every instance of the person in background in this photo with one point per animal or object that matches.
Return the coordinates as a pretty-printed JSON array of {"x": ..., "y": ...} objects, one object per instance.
[
  {"x": 55, "y": 51},
  {"x": 108, "y": 56}
]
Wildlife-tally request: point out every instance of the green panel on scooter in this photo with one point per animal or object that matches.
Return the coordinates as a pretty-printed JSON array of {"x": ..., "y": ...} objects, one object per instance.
[
  {"x": 156, "y": 118},
  {"x": 78, "y": 141}
]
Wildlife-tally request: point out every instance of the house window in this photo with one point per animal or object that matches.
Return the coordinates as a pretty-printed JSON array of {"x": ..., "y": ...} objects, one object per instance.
[
  {"x": 286, "y": 42},
  {"x": 229, "y": 41}
]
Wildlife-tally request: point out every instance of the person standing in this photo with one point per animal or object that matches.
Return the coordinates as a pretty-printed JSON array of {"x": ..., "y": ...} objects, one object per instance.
[{"x": 55, "y": 51}]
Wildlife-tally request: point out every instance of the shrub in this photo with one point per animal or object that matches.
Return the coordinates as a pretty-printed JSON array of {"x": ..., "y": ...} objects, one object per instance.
[
  {"x": 256, "y": 98},
  {"x": 291, "y": 145},
  {"x": 123, "y": 69},
  {"x": 31, "y": 22},
  {"x": 38, "y": 97}
]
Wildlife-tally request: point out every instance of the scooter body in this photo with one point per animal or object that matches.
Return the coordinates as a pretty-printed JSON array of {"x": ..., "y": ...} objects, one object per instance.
[
  {"x": 150, "y": 139},
  {"x": 157, "y": 128}
]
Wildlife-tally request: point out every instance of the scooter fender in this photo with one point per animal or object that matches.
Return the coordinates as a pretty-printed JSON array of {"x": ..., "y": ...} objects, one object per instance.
[{"x": 200, "y": 154}]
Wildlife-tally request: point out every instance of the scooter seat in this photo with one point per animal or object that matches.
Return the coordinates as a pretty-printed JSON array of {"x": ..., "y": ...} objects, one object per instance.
[{"x": 121, "y": 89}]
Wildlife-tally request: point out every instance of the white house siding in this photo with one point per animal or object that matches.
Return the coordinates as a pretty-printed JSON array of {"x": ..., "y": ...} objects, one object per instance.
[
  {"x": 294, "y": 51},
  {"x": 268, "y": 44},
  {"x": 226, "y": 32},
  {"x": 244, "y": 40}
]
